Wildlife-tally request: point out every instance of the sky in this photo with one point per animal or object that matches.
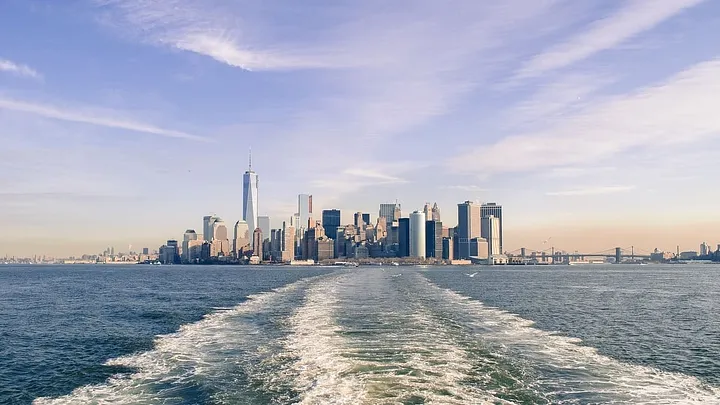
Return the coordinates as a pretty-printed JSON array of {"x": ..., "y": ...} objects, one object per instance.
[{"x": 594, "y": 123}]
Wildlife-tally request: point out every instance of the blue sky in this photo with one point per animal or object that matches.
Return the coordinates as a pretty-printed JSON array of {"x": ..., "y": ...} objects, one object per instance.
[{"x": 125, "y": 121}]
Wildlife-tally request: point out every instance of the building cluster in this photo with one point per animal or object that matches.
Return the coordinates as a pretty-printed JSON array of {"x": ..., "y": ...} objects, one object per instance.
[{"x": 420, "y": 236}]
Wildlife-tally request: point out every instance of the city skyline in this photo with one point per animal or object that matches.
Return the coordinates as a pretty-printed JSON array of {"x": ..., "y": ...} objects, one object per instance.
[{"x": 125, "y": 122}]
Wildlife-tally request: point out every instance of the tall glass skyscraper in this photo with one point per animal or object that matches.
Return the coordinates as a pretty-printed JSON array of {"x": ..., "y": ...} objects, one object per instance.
[
  {"x": 250, "y": 198},
  {"x": 417, "y": 234},
  {"x": 331, "y": 221}
]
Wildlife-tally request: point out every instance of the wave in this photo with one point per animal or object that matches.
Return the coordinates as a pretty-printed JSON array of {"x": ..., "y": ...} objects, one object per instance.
[{"x": 566, "y": 370}]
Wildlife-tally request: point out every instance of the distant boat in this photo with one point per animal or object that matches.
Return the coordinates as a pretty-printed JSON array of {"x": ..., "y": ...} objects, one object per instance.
[
  {"x": 395, "y": 263},
  {"x": 156, "y": 263}
]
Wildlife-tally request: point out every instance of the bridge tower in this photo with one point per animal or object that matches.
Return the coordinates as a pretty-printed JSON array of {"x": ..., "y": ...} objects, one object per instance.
[{"x": 618, "y": 255}]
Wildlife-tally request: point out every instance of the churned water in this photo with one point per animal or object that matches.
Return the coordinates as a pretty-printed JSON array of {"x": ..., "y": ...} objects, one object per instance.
[{"x": 375, "y": 335}]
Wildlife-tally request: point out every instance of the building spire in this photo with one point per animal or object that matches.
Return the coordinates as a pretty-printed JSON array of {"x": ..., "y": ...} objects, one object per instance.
[{"x": 250, "y": 159}]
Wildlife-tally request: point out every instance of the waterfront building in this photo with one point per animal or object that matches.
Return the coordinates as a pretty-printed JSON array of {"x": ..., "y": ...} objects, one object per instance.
[
  {"x": 403, "y": 237},
  {"x": 704, "y": 249},
  {"x": 288, "y": 246},
  {"x": 276, "y": 242},
  {"x": 391, "y": 212},
  {"x": 250, "y": 197},
  {"x": 417, "y": 234},
  {"x": 304, "y": 211},
  {"x": 495, "y": 210},
  {"x": 433, "y": 239},
  {"x": 468, "y": 228},
  {"x": 330, "y": 222},
  {"x": 491, "y": 228}
]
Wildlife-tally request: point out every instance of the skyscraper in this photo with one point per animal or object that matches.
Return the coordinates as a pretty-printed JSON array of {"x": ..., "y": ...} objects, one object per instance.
[
  {"x": 304, "y": 211},
  {"x": 208, "y": 221},
  {"x": 241, "y": 236},
  {"x": 331, "y": 221},
  {"x": 417, "y": 234},
  {"x": 433, "y": 239},
  {"x": 435, "y": 212},
  {"x": 495, "y": 210},
  {"x": 264, "y": 225},
  {"x": 250, "y": 197},
  {"x": 257, "y": 244},
  {"x": 491, "y": 228},
  {"x": 391, "y": 212},
  {"x": 358, "y": 220},
  {"x": 403, "y": 237},
  {"x": 427, "y": 211},
  {"x": 468, "y": 227}
]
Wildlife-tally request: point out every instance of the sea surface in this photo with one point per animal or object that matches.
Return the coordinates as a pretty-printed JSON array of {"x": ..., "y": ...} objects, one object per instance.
[{"x": 370, "y": 335}]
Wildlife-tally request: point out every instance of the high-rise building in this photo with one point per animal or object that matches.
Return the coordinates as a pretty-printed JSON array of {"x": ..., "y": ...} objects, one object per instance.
[
  {"x": 330, "y": 222},
  {"x": 250, "y": 197},
  {"x": 468, "y": 227},
  {"x": 704, "y": 249},
  {"x": 391, "y": 212},
  {"x": 257, "y": 244},
  {"x": 190, "y": 235},
  {"x": 219, "y": 230},
  {"x": 417, "y": 234},
  {"x": 288, "y": 243},
  {"x": 447, "y": 249},
  {"x": 276, "y": 242},
  {"x": 435, "y": 212},
  {"x": 264, "y": 225},
  {"x": 491, "y": 228},
  {"x": 403, "y": 237},
  {"x": 366, "y": 218},
  {"x": 146, "y": 251},
  {"x": 433, "y": 239},
  {"x": 427, "y": 211},
  {"x": 324, "y": 249},
  {"x": 495, "y": 210},
  {"x": 208, "y": 221},
  {"x": 305, "y": 211},
  {"x": 358, "y": 221},
  {"x": 241, "y": 237}
]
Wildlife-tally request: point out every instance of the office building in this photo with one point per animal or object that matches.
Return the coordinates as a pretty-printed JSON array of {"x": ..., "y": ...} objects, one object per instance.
[
  {"x": 305, "y": 211},
  {"x": 359, "y": 221},
  {"x": 366, "y": 218},
  {"x": 219, "y": 230},
  {"x": 257, "y": 243},
  {"x": 276, "y": 242},
  {"x": 190, "y": 235},
  {"x": 495, "y": 210},
  {"x": 447, "y": 249},
  {"x": 391, "y": 212},
  {"x": 330, "y": 222},
  {"x": 241, "y": 238},
  {"x": 433, "y": 239},
  {"x": 491, "y": 227},
  {"x": 146, "y": 251},
  {"x": 417, "y": 234},
  {"x": 208, "y": 222},
  {"x": 288, "y": 245},
  {"x": 403, "y": 237},
  {"x": 324, "y": 249},
  {"x": 264, "y": 225},
  {"x": 250, "y": 197},
  {"x": 435, "y": 212},
  {"x": 468, "y": 227},
  {"x": 427, "y": 211}
]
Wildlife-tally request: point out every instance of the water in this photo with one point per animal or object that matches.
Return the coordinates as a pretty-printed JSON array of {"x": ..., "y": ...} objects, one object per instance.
[{"x": 243, "y": 335}]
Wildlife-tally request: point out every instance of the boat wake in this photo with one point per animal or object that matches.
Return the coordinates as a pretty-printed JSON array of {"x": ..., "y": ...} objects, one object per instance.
[{"x": 368, "y": 337}]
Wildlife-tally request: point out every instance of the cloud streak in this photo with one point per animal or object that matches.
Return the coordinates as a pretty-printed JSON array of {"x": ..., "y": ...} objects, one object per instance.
[
  {"x": 84, "y": 116},
  {"x": 18, "y": 69},
  {"x": 681, "y": 110},
  {"x": 633, "y": 18},
  {"x": 592, "y": 191}
]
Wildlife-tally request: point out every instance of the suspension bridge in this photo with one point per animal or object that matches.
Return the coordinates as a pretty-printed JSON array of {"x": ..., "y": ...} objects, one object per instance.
[{"x": 556, "y": 256}]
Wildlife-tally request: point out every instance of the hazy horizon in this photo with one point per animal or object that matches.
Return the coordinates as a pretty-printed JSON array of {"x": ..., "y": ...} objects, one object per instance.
[{"x": 125, "y": 121}]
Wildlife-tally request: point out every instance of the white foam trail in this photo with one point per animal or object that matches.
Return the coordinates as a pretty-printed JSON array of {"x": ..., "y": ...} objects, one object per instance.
[
  {"x": 203, "y": 351},
  {"x": 587, "y": 371},
  {"x": 334, "y": 367}
]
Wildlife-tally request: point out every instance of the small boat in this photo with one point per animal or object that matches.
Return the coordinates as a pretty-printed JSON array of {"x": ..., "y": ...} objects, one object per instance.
[{"x": 395, "y": 263}]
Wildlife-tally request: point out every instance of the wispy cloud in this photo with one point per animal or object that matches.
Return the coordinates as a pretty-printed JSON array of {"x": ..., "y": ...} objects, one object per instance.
[
  {"x": 468, "y": 188},
  {"x": 680, "y": 110},
  {"x": 18, "y": 69},
  {"x": 88, "y": 116},
  {"x": 372, "y": 174},
  {"x": 592, "y": 191},
  {"x": 633, "y": 18}
]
